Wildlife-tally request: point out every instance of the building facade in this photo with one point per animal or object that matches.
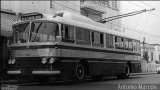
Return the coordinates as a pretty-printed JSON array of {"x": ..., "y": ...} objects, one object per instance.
[
  {"x": 94, "y": 9},
  {"x": 150, "y": 57},
  {"x": 157, "y": 53},
  {"x": 7, "y": 19}
]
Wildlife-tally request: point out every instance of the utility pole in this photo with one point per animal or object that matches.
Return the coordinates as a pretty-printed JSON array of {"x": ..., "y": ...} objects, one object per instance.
[{"x": 123, "y": 15}]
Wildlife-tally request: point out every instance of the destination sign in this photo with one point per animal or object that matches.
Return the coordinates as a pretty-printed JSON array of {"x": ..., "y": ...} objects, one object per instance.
[{"x": 31, "y": 17}]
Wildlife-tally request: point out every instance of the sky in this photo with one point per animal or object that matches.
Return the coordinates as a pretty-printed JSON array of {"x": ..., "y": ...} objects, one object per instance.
[{"x": 142, "y": 25}]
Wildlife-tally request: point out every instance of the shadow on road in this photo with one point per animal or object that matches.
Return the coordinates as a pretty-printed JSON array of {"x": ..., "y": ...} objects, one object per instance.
[{"x": 70, "y": 83}]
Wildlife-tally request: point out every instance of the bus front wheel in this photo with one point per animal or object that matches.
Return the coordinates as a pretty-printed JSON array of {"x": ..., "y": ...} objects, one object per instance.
[{"x": 79, "y": 72}]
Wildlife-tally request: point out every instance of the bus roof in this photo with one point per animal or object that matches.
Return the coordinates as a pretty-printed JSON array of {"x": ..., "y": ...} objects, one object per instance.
[
  {"x": 84, "y": 22},
  {"x": 68, "y": 18}
]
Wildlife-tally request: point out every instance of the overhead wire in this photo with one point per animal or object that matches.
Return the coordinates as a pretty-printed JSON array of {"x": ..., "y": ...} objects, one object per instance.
[
  {"x": 141, "y": 31},
  {"x": 136, "y": 5},
  {"x": 147, "y": 14},
  {"x": 123, "y": 15},
  {"x": 152, "y": 7},
  {"x": 66, "y": 6},
  {"x": 112, "y": 23},
  {"x": 149, "y": 5}
]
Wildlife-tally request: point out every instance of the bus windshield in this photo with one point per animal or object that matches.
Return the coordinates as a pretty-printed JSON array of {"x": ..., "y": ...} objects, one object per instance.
[
  {"x": 21, "y": 32},
  {"x": 39, "y": 32},
  {"x": 43, "y": 31}
]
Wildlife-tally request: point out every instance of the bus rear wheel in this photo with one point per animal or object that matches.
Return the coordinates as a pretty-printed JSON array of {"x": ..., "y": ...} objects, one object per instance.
[
  {"x": 127, "y": 72},
  {"x": 79, "y": 72}
]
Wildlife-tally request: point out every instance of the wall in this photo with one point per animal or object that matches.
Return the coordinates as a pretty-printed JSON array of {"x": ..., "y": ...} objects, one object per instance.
[
  {"x": 157, "y": 53},
  {"x": 52, "y": 6}
]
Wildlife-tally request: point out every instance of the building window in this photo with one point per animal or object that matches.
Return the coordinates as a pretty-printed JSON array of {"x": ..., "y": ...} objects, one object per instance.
[
  {"x": 114, "y": 4},
  {"x": 138, "y": 46},
  {"x": 151, "y": 56},
  {"x": 91, "y": 14},
  {"x": 102, "y": 3},
  {"x": 105, "y": 2}
]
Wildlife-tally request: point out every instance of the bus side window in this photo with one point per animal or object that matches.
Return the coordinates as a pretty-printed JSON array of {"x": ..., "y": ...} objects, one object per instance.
[
  {"x": 138, "y": 46},
  {"x": 130, "y": 45},
  {"x": 86, "y": 35},
  {"x": 126, "y": 44},
  {"x": 97, "y": 39},
  {"x": 134, "y": 46},
  {"x": 101, "y": 38},
  {"x": 122, "y": 43},
  {"x": 67, "y": 33},
  {"x": 109, "y": 41},
  {"x": 92, "y": 36},
  {"x": 82, "y": 36},
  {"x": 116, "y": 42}
]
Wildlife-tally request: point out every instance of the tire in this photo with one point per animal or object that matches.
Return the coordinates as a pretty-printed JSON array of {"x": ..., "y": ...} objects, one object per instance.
[
  {"x": 127, "y": 71},
  {"x": 126, "y": 74},
  {"x": 79, "y": 73}
]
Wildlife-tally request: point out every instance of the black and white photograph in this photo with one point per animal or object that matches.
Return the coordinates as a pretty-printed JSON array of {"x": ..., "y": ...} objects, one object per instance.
[{"x": 80, "y": 45}]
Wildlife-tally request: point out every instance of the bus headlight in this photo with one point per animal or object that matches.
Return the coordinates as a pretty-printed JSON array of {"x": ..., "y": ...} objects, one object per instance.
[
  {"x": 51, "y": 60},
  {"x": 44, "y": 60},
  {"x": 10, "y": 61},
  {"x": 13, "y": 61}
]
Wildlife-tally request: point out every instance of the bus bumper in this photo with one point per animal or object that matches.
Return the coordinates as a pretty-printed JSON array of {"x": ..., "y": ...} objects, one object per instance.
[
  {"x": 14, "y": 72},
  {"x": 38, "y": 72},
  {"x": 45, "y": 72}
]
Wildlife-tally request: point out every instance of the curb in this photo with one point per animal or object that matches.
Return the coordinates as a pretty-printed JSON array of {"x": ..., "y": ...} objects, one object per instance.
[{"x": 132, "y": 74}]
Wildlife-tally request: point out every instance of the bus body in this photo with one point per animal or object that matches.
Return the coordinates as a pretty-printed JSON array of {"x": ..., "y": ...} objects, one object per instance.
[{"x": 69, "y": 45}]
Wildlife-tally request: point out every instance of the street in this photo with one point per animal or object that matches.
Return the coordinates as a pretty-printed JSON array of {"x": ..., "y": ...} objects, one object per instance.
[{"x": 135, "y": 82}]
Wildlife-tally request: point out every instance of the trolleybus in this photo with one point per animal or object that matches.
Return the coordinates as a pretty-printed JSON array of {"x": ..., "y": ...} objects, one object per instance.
[{"x": 67, "y": 45}]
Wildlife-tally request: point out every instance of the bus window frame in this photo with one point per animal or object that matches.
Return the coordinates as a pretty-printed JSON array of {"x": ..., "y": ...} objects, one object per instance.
[
  {"x": 83, "y": 41},
  {"x": 63, "y": 32},
  {"x": 14, "y": 31},
  {"x": 97, "y": 44},
  {"x": 44, "y": 21}
]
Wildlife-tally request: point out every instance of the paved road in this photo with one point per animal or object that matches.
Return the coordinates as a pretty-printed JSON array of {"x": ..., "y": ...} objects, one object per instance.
[{"x": 141, "y": 82}]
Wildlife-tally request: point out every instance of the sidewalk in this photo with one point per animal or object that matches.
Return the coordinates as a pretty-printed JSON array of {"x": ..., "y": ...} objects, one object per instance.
[{"x": 143, "y": 73}]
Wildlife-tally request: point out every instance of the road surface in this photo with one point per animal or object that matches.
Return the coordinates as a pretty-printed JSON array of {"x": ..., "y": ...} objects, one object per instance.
[{"x": 136, "y": 82}]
